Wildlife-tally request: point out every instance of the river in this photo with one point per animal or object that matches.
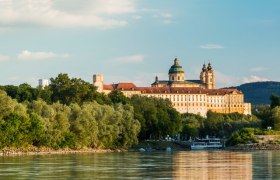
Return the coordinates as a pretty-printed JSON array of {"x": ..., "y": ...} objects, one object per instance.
[{"x": 153, "y": 165}]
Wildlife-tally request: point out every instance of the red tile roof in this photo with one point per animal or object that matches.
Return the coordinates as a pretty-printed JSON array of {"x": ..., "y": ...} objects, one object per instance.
[
  {"x": 169, "y": 90},
  {"x": 120, "y": 86}
]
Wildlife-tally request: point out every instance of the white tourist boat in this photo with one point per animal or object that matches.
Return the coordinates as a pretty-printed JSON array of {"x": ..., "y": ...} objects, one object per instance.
[{"x": 207, "y": 143}]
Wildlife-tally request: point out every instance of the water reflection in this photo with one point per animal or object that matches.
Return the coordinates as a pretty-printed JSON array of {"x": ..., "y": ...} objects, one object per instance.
[
  {"x": 160, "y": 165},
  {"x": 213, "y": 165}
]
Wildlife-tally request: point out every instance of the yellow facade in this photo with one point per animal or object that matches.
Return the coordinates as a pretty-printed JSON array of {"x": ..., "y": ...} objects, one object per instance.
[{"x": 196, "y": 96}]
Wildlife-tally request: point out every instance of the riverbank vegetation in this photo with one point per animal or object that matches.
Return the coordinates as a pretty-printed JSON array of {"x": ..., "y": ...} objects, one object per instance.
[
  {"x": 270, "y": 124},
  {"x": 218, "y": 125},
  {"x": 70, "y": 113}
]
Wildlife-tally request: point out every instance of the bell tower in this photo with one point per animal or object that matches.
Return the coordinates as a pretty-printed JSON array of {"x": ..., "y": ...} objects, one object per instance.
[
  {"x": 203, "y": 74},
  {"x": 98, "y": 82},
  {"x": 210, "y": 77}
]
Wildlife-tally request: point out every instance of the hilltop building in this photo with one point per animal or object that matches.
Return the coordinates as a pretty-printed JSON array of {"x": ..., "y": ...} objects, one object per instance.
[
  {"x": 43, "y": 83},
  {"x": 177, "y": 78},
  {"x": 187, "y": 96}
]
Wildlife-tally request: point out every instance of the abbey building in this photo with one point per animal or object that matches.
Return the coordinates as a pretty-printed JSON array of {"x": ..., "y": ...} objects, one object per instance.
[{"x": 192, "y": 96}]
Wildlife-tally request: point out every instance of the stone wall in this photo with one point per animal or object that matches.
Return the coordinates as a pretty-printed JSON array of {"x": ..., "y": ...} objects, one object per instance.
[{"x": 267, "y": 138}]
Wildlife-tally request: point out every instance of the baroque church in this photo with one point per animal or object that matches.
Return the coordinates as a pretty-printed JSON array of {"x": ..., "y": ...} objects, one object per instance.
[
  {"x": 186, "y": 96},
  {"x": 177, "y": 78}
]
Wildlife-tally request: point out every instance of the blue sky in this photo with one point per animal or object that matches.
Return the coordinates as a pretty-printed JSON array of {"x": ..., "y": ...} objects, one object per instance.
[{"x": 135, "y": 40}]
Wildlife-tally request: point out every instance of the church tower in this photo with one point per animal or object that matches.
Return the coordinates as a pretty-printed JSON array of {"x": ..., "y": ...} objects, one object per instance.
[
  {"x": 203, "y": 74},
  {"x": 210, "y": 77},
  {"x": 176, "y": 72},
  {"x": 98, "y": 82}
]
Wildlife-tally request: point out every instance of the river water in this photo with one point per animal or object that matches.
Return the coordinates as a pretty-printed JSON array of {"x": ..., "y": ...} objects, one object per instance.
[{"x": 153, "y": 165}]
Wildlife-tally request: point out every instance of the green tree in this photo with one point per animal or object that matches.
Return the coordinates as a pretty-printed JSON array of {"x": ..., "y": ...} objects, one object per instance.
[
  {"x": 55, "y": 120},
  {"x": 84, "y": 125},
  {"x": 14, "y": 131},
  {"x": 11, "y": 90},
  {"x": 45, "y": 94},
  {"x": 244, "y": 136},
  {"x": 276, "y": 118},
  {"x": 129, "y": 126},
  {"x": 26, "y": 93},
  {"x": 36, "y": 130},
  {"x": 73, "y": 90},
  {"x": 264, "y": 113},
  {"x": 156, "y": 116},
  {"x": 117, "y": 96},
  {"x": 192, "y": 125},
  {"x": 8, "y": 105},
  {"x": 275, "y": 101}
]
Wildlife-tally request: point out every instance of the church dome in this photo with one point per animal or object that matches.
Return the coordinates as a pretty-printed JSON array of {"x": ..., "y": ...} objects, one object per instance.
[{"x": 176, "y": 68}]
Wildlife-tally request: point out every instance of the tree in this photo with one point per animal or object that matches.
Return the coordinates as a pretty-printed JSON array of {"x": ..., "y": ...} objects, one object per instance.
[
  {"x": 9, "y": 105},
  {"x": 84, "y": 125},
  {"x": 74, "y": 90},
  {"x": 45, "y": 94},
  {"x": 26, "y": 93},
  {"x": 156, "y": 116},
  {"x": 117, "y": 96},
  {"x": 14, "y": 131},
  {"x": 21, "y": 93},
  {"x": 275, "y": 100},
  {"x": 129, "y": 126},
  {"x": 244, "y": 136},
  {"x": 264, "y": 113},
  {"x": 55, "y": 122},
  {"x": 36, "y": 130},
  {"x": 192, "y": 125},
  {"x": 276, "y": 118}
]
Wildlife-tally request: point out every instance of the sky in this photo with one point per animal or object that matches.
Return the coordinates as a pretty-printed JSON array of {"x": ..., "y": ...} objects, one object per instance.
[{"x": 136, "y": 40}]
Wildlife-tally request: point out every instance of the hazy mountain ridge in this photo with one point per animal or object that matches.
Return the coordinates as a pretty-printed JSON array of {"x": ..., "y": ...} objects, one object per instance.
[{"x": 259, "y": 92}]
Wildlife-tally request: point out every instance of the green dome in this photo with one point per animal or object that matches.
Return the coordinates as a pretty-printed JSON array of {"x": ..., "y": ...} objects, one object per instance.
[{"x": 176, "y": 68}]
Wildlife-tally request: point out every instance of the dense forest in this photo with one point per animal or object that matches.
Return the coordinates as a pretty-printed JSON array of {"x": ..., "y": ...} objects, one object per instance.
[{"x": 70, "y": 113}]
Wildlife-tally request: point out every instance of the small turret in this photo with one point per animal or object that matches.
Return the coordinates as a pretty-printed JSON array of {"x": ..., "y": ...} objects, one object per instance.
[{"x": 156, "y": 83}]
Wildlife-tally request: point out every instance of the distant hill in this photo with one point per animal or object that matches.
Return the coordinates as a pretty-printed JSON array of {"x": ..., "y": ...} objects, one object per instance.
[{"x": 259, "y": 92}]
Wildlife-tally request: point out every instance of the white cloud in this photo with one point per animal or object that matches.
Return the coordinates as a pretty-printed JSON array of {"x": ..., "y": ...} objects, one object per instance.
[
  {"x": 224, "y": 80},
  {"x": 113, "y": 6},
  {"x": 4, "y": 58},
  {"x": 28, "y": 55},
  {"x": 165, "y": 17},
  {"x": 92, "y": 13},
  {"x": 258, "y": 69},
  {"x": 211, "y": 46},
  {"x": 254, "y": 79},
  {"x": 138, "y": 58},
  {"x": 137, "y": 17}
]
